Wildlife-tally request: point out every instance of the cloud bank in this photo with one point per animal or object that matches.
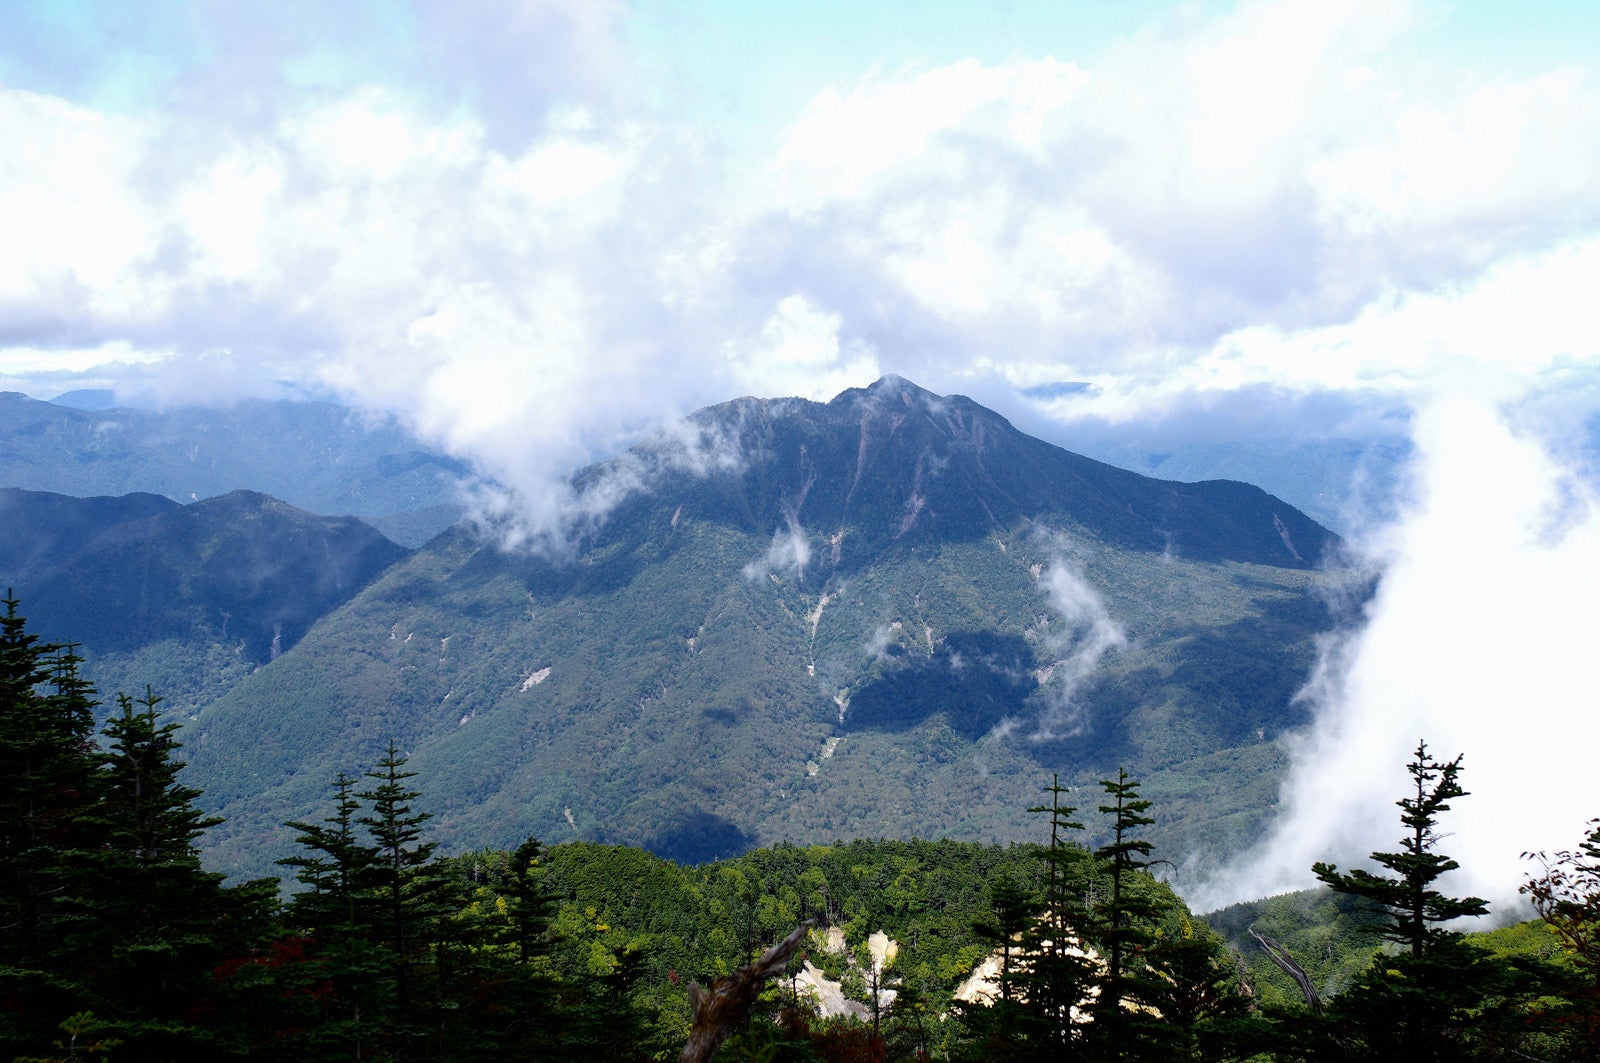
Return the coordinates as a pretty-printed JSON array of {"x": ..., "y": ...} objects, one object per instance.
[
  {"x": 1478, "y": 640},
  {"x": 506, "y": 223}
]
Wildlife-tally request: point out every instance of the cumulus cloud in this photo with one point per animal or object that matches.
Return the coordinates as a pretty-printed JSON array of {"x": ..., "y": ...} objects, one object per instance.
[
  {"x": 489, "y": 219},
  {"x": 1478, "y": 641},
  {"x": 798, "y": 352}
]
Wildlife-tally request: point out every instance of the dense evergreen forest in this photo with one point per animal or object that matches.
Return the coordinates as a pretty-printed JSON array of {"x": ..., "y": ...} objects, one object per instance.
[{"x": 117, "y": 944}]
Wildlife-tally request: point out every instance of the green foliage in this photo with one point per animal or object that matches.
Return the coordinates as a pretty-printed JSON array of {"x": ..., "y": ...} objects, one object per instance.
[
  {"x": 1413, "y": 909},
  {"x": 1566, "y": 895},
  {"x": 106, "y": 907},
  {"x": 1441, "y": 996}
]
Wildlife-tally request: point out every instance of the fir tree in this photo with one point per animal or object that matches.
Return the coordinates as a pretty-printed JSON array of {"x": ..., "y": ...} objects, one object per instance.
[
  {"x": 405, "y": 889},
  {"x": 1413, "y": 908},
  {"x": 48, "y": 784},
  {"x": 997, "y": 1029},
  {"x": 1123, "y": 917},
  {"x": 332, "y": 985},
  {"x": 1059, "y": 968},
  {"x": 1433, "y": 1000},
  {"x": 150, "y": 922}
]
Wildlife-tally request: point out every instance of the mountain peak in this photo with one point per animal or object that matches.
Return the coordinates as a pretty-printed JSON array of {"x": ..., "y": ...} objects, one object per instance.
[
  {"x": 888, "y": 388},
  {"x": 894, "y": 463}
]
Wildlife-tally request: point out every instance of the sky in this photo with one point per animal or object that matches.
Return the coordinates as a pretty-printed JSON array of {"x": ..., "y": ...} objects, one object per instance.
[{"x": 536, "y": 229}]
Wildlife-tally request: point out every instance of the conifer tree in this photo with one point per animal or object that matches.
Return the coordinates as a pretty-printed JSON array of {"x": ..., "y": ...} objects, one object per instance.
[
  {"x": 1413, "y": 907},
  {"x": 1434, "y": 1000},
  {"x": 48, "y": 782},
  {"x": 333, "y": 990},
  {"x": 1059, "y": 968},
  {"x": 997, "y": 1029},
  {"x": 149, "y": 922},
  {"x": 1123, "y": 916},
  {"x": 404, "y": 890}
]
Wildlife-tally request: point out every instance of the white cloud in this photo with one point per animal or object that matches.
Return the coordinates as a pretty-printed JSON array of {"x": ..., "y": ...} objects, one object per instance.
[
  {"x": 789, "y": 553},
  {"x": 535, "y": 262},
  {"x": 799, "y": 353},
  {"x": 1072, "y": 644},
  {"x": 1478, "y": 640},
  {"x": 76, "y": 234}
]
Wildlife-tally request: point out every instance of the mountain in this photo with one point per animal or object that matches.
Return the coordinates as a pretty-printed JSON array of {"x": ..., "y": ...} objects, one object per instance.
[
  {"x": 891, "y": 614},
  {"x": 40, "y": 530},
  {"x": 188, "y": 599},
  {"x": 315, "y": 455}
]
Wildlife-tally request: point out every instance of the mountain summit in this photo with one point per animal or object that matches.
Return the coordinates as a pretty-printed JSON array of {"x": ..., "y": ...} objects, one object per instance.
[
  {"x": 888, "y": 614},
  {"x": 894, "y": 463}
]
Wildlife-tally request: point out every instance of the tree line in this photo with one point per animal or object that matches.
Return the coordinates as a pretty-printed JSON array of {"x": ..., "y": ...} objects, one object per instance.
[{"x": 116, "y": 943}]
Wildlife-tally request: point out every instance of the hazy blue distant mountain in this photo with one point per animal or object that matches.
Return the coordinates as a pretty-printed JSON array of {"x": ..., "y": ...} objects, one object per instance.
[
  {"x": 87, "y": 399},
  {"x": 40, "y": 530},
  {"x": 889, "y": 614},
  {"x": 1342, "y": 483},
  {"x": 318, "y": 456},
  {"x": 188, "y": 599}
]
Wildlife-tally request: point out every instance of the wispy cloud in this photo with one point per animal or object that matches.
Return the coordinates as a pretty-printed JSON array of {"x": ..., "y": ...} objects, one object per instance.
[
  {"x": 788, "y": 554},
  {"x": 1070, "y": 644}
]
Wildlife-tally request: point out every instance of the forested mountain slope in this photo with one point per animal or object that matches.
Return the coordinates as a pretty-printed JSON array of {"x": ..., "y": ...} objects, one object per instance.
[
  {"x": 188, "y": 599},
  {"x": 887, "y": 615}
]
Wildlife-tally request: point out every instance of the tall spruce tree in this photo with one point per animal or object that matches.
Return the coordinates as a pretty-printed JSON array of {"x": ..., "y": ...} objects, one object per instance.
[
  {"x": 1060, "y": 971},
  {"x": 333, "y": 998},
  {"x": 150, "y": 923},
  {"x": 1413, "y": 908},
  {"x": 48, "y": 783},
  {"x": 998, "y": 1028},
  {"x": 1436, "y": 999},
  {"x": 406, "y": 890},
  {"x": 1124, "y": 919}
]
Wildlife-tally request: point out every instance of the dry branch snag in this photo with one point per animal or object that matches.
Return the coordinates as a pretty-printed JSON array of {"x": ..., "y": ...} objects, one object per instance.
[{"x": 717, "y": 1010}]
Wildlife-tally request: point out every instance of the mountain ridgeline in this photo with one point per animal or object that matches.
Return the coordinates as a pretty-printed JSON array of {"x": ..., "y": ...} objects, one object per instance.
[
  {"x": 887, "y": 615},
  {"x": 186, "y": 598},
  {"x": 315, "y": 455}
]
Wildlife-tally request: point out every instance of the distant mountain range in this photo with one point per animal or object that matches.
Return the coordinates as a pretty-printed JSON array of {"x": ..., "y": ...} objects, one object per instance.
[
  {"x": 186, "y": 599},
  {"x": 891, "y": 614},
  {"x": 317, "y": 456}
]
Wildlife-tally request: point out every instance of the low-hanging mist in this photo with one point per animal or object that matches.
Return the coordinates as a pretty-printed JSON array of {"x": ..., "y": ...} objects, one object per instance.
[{"x": 1479, "y": 641}]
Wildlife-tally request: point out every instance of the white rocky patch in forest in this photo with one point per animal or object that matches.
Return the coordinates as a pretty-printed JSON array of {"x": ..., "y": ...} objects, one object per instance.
[
  {"x": 982, "y": 986},
  {"x": 812, "y": 767},
  {"x": 827, "y": 996},
  {"x": 536, "y": 678}
]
